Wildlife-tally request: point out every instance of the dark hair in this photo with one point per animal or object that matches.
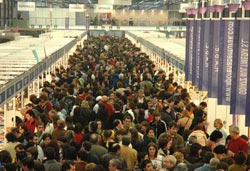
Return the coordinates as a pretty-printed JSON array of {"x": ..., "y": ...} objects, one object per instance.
[
  {"x": 208, "y": 156},
  {"x": 115, "y": 147},
  {"x": 220, "y": 149},
  {"x": 83, "y": 155},
  {"x": 222, "y": 165},
  {"x": 33, "y": 151},
  {"x": 240, "y": 158},
  {"x": 10, "y": 137},
  {"x": 144, "y": 163},
  {"x": 21, "y": 155},
  {"x": 29, "y": 162},
  {"x": 127, "y": 116},
  {"x": 86, "y": 145},
  {"x": 215, "y": 135},
  {"x": 69, "y": 153},
  {"x": 150, "y": 128},
  {"x": 172, "y": 124},
  {"x": 116, "y": 122},
  {"x": 126, "y": 140},
  {"x": 194, "y": 149},
  {"x": 162, "y": 142},
  {"x": 203, "y": 104},
  {"x": 152, "y": 145},
  {"x": 38, "y": 166},
  {"x": 66, "y": 165},
  {"x": 5, "y": 156},
  {"x": 10, "y": 167},
  {"x": 50, "y": 153},
  {"x": 45, "y": 135},
  {"x": 31, "y": 113}
]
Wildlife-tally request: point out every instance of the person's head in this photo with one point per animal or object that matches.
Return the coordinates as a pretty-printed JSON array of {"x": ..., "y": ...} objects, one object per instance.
[
  {"x": 165, "y": 142},
  {"x": 144, "y": 126},
  {"x": 10, "y": 137},
  {"x": 50, "y": 153},
  {"x": 115, "y": 164},
  {"x": 169, "y": 161},
  {"x": 94, "y": 138},
  {"x": 203, "y": 105},
  {"x": 99, "y": 124},
  {"x": 116, "y": 148},
  {"x": 147, "y": 165},
  {"x": 195, "y": 149},
  {"x": 179, "y": 156},
  {"x": 234, "y": 132},
  {"x": 86, "y": 146},
  {"x": 150, "y": 132},
  {"x": 32, "y": 152},
  {"x": 152, "y": 150},
  {"x": 68, "y": 165},
  {"x": 47, "y": 138},
  {"x": 208, "y": 156},
  {"x": 27, "y": 163},
  {"x": 126, "y": 140},
  {"x": 127, "y": 120},
  {"x": 157, "y": 116},
  {"x": 220, "y": 151},
  {"x": 218, "y": 123},
  {"x": 214, "y": 162},
  {"x": 181, "y": 167},
  {"x": 240, "y": 158},
  {"x": 117, "y": 124},
  {"x": 93, "y": 126},
  {"x": 215, "y": 136},
  {"x": 30, "y": 116},
  {"x": 173, "y": 128},
  {"x": 19, "y": 147},
  {"x": 19, "y": 157},
  {"x": 222, "y": 165},
  {"x": 5, "y": 156},
  {"x": 61, "y": 124},
  {"x": 40, "y": 127}
]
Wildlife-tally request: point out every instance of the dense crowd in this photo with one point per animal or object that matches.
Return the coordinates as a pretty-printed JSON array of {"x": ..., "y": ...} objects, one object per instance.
[{"x": 111, "y": 110}]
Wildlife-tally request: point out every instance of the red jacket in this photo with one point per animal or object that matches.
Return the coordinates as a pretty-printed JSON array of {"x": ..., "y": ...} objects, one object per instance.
[
  {"x": 237, "y": 145},
  {"x": 31, "y": 126}
]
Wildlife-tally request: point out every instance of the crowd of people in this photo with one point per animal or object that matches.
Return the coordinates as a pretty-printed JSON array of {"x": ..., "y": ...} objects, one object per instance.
[{"x": 111, "y": 110}]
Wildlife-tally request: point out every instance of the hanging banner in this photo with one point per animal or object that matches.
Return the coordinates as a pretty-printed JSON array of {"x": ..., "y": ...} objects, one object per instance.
[
  {"x": 190, "y": 50},
  {"x": 103, "y": 8},
  {"x": 76, "y": 8},
  {"x": 26, "y": 6},
  {"x": 198, "y": 53},
  {"x": 203, "y": 69},
  {"x": 187, "y": 50},
  {"x": 240, "y": 62},
  {"x": 115, "y": 2},
  {"x": 247, "y": 111},
  {"x": 214, "y": 54},
  {"x": 225, "y": 81},
  {"x": 195, "y": 36}
]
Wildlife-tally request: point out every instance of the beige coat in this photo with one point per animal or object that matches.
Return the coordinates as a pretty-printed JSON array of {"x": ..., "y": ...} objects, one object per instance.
[{"x": 129, "y": 155}]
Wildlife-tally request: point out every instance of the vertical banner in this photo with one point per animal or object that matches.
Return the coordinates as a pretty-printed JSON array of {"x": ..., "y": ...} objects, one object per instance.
[
  {"x": 247, "y": 111},
  {"x": 203, "y": 70},
  {"x": 190, "y": 48},
  {"x": 195, "y": 36},
  {"x": 214, "y": 59},
  {"x": 197, "y": 64},
  {"x": 187, "y": 50},
  {"x": 230, "y": 28},
  {"x": 238, "y": 102}
]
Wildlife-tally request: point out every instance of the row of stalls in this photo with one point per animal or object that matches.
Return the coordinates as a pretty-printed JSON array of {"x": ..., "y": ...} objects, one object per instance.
[{"x": 24, "y": 65}]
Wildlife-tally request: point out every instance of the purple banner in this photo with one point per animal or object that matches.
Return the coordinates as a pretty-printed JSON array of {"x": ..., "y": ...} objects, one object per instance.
[
  {"x": 198, "y": 54},
  {"x": 224, "y": 91},
  {"x": 247, "y": 111},
  {"x": 194, "y": 57},
  {"x": 214, "y": 54},
  {"x": 238, "y": 97},
  {"x": 204, "y": 55},
  {"x": 189, "y": 49}
]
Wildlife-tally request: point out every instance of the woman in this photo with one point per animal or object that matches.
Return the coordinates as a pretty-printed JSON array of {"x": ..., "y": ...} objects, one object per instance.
[
  {"x": 152, "y": 155},
  {"x": 108, "y": 139},
  {"x": 219, "y": 126},
  {"x": 184, "y": 122},
  {"x": 165, "y": 143}
]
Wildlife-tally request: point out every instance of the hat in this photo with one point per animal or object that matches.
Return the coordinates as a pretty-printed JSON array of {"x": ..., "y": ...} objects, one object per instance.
[
  {"x": 234, "y": 129},
  {"x": 98, "y": 98}
]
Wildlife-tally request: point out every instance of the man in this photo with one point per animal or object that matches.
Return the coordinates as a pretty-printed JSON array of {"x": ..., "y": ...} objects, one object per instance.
[
  {"x": 127, "y": 153},
  {"x": 51, "y": 164},
  {"x": 96, "y": 149},
  {"x": 127, "y": 121},
  {"x": 27, "y": 164},
  {"x": 115, "y": 165},
  {"x": 206, "y": 159},
  {"x": 39, "y": 131},
  {"x": 117, "y": 124},
  {"x": 158, "y": 124},
  {"x": 236, "y": 143},
  {"x": 178, "y": 141}
]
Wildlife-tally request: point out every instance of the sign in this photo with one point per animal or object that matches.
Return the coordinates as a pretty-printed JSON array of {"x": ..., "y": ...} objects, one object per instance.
[
  {"x": 195, "y": 36},
  {"x": 203, "y": 73},
  {"x": 76, "y": 8},
  {"x": 115, "y": 2},
  {"x": 10, "y": 91},
  {"x": 247, "y": 111},
  {"x": 198, "y": 54},
  {"x": 213, "y": 62},
  {"x": 224, "y": 91},
  {"x": 19, "y": 85},
  {"x": 103, "y": 8},
  {"x": 189, "y": 50},
  {"x": 183, "y": 7},
  {"x": 26, "y": 6},
  {"x": 240, "y": 63}
]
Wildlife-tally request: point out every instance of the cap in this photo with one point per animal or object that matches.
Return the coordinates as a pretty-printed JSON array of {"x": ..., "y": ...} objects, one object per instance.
[{"x": 235, "y": 129}]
